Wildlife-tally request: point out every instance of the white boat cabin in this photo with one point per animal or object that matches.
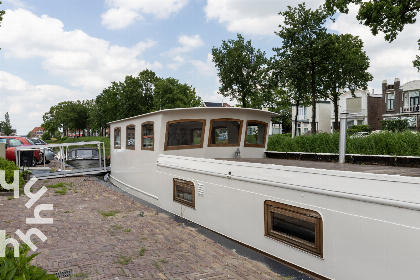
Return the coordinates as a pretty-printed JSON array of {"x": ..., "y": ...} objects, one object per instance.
[{"x": 330, "y": 223}]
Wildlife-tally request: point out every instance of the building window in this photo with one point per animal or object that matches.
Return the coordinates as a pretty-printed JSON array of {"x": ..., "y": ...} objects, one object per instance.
[
  {"x": 256, "y": 133},
  {"x": 184, "y": 134},
  {"x": 131, "y": 131},
  {"x": 295, "y": 226},
  {"x": 225, "y": 132},
  {"x": 117, "y": 138},
  {"x": 147, "y": 138},
  {"x": 301, "y": 113},
  {"x": 390, "y": 101},
  {"x": 184, "y": 192}
]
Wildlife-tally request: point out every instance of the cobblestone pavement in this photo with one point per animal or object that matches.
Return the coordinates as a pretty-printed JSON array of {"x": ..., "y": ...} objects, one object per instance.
[{"x": 101, "y": 234}]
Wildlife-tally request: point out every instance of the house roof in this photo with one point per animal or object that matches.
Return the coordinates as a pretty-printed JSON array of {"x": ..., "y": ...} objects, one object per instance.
[{"x": 215, "y": 104}]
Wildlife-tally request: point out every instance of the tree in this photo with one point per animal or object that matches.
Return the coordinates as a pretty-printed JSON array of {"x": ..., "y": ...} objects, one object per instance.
[
  {"x": 242, "y": 71},
  {"x": 170, "y": 94},
  {"x": 388, "y": 16},
  {"x": 7, "y": 126},
  {"x": 416, "y": 62},
  {"x": 347, "y": 68},
  {"x": 303, "y": 54},
  {"x": 1, "y": 16}
]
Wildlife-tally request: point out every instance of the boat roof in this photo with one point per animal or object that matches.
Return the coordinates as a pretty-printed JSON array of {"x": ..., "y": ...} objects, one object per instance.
[{"x": 198, "y": 109}]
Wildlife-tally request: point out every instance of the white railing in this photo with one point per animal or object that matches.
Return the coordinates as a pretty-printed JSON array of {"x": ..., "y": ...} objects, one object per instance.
[{"x": 414, "y": 108}]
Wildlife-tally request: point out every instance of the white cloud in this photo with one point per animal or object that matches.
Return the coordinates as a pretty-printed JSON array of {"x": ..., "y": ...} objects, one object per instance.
[
  {"x": 252, "y": 17},
  {"x": 206, "y": 68},
  {"x": 188, "y": 44},
  {"x": 26, "y": 103},
  {"x": 85, "y": 61},
  {"x": 119, "y": 18},
  {"x": 123, "y": 13},
  {"x": 386, "y": 59}
]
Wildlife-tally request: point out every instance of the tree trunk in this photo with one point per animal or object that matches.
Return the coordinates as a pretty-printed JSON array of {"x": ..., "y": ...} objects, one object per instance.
[
  {"x": 296, "y": 116},
  {"x": 313, "y": 88}
]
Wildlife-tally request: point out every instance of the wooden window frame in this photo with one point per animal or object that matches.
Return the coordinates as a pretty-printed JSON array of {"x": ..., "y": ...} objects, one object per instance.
[
  {"x": 225, "y": 120},
  {"x": 181, "y": 147},
  {"x": 119, "y": 129},
  {"x": 185, "y": 183},
  {"x": 314, "y": 217},
  {"x": 126, "y": 137},
  {"x": 153, "y": 142},
  {"x": 265, "y": 134}
]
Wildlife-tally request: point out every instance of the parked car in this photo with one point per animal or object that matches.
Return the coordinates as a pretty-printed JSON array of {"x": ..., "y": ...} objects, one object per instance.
[
  {"x": 29, "y": 158},
  {"x": 49, "y": 153},
  {"x": 360, "y": 134}
]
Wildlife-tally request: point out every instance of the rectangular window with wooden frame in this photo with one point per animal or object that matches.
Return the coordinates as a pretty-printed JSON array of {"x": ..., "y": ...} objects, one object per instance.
[
  {"x": 256, "y": 132},
  {"x": 147, "y": 136},
  {"x": 117, "y": 138},
  {"x": 225, "y": 132},
  {"x": 298, "y": 227},
  {"x": 131, "y": 139},
  {"x": 184, "y": 134},
  {"x": 184, "y": 192}
]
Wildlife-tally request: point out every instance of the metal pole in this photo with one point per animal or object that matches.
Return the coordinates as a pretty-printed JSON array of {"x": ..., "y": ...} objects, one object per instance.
[{"x": 343, "y": 132}]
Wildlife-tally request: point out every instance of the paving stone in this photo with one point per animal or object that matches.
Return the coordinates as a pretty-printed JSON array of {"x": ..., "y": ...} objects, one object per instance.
[{"x": 83, "y": 239}]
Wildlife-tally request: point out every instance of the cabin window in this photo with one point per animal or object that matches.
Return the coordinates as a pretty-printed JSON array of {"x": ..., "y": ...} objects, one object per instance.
[
  {"x": 295, "y": 226},
  {"x": 117, "y": 138},
  {"x": 131, "y": 130},
  {"x": 184, "y": 134},
  {"x": 147, "y": 139},
  {"x": 256, "y": 132},
  {"x": 225, "y": 132},
  {"x": 184, "y": 192}
]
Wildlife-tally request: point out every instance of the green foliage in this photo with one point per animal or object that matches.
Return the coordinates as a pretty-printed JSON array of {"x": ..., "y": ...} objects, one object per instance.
[
  {"x": 46, "y": 136},
  {"x": 387, "y": 16},
  {"x": 6, "y": 125},
  {"x": 302, "y": 60},
  {"x": 358, "y": 128},
  {"x": 242, "y": 72},
  {"x": 314, "y": 143},
  {"x": 386, "y": 143},
  {"x": 9, "y": 167},
  {"x": 169, "y": 93},
  {"x": 19, "y": 268},
  {"x": 416, "y": 62},
  {"x": 109, "y": 213},
  {"x": 394, "y": 125}
]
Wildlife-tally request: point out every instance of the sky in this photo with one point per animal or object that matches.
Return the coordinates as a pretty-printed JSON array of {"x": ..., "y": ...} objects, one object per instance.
[{"x": 66, "y": 50}]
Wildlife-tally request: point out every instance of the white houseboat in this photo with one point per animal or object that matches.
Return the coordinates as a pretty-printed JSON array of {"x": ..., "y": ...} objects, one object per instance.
[{"x": 332, "y": 224}]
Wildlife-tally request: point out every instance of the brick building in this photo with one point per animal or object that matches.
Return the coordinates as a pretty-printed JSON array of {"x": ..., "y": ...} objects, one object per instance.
[
  {"x": 37, "y": 132},
  {"x": 401, "y": 102}
]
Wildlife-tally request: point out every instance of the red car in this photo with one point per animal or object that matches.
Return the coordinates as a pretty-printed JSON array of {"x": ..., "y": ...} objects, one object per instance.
[{"x": 32, "y": 158}]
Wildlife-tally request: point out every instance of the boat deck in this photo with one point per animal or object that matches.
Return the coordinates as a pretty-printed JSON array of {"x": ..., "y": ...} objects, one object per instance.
[{"x": 375, "y": 169}]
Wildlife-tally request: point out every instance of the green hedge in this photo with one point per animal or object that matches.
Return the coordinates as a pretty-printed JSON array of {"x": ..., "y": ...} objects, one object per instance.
[
  {"x": 10, "y": 166},
  {"x": 386, "y": 143}
]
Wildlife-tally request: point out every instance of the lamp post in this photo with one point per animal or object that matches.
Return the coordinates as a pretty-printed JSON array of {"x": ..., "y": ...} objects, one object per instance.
[{"x": 343, "y": 132}]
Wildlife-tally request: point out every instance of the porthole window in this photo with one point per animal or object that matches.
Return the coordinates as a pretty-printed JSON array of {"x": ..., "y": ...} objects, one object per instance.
[
  {"x": 147, "y": 136},
  {"x": 184, "y": 134},
  {"x": 295, "y": 226},
  {"x": 184, "y": 192},
  {"x": 131, "y": 131},
  {"x": 225, "y": 132},
  {"x": 256, "y": 132},
  {"x": 117, "y": 138}
]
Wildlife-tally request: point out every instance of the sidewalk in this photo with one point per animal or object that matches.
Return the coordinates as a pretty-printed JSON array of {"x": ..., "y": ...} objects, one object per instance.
[{"x": 133, "y": 242}]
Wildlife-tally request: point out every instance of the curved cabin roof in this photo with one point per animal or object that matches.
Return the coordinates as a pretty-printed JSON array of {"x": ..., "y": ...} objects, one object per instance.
[{"x": 217, "y": 110}]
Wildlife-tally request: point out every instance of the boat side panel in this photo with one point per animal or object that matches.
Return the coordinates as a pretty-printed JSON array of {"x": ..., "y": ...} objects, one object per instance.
[{"x": 362, "y": 240}]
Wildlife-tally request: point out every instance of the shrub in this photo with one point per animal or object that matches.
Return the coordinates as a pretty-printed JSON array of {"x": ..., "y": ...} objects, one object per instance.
[
  {"x": 394, "y": 125},
  {"x": 9, "y": 167},
  {"x": 386, "y": 143},
  {"x": 20, "y": 267}
]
